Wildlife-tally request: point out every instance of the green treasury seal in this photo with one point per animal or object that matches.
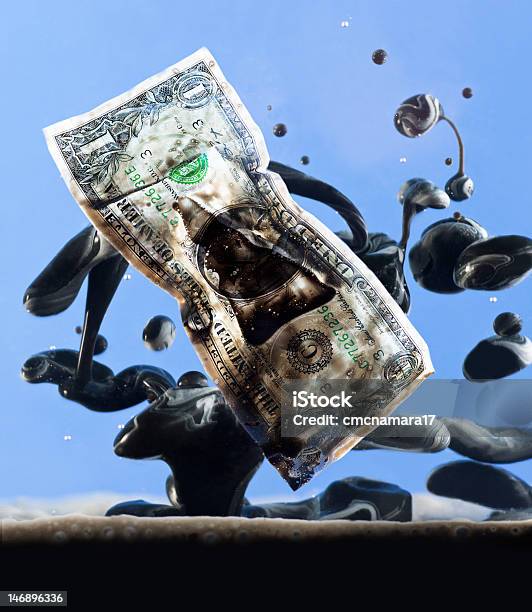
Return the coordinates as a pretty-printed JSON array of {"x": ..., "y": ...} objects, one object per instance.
[{"x": 191, "y": 172}]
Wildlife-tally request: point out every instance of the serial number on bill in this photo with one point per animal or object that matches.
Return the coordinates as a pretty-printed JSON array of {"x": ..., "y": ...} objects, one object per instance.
[{"x": 346, "y": 341}]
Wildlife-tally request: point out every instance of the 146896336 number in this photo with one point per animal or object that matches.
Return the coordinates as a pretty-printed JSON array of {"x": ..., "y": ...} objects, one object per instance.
[{"x": 30, "y": 598}]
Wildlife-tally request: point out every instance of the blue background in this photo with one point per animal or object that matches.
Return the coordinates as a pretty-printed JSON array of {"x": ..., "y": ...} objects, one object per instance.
[{"x": 63, "y": 58}]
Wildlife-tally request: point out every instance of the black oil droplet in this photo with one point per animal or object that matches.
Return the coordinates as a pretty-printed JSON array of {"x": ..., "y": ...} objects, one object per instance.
[
  {"x": 101, "y": 345},
  {"x": 507, "y": 324},
  {"x": 279, "y": 130},
  {"x": 379, "y": 57}
]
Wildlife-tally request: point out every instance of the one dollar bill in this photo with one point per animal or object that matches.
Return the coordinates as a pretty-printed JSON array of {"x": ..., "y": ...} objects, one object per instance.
[{"x": 174, "y": 175}]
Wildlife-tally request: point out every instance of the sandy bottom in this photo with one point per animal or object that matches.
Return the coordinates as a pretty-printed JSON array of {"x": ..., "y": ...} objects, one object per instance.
[{"x": 230, "y": 531}]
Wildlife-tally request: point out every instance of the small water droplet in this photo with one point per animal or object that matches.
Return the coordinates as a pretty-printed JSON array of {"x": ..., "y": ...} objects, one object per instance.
[
  {"x": 402, "y": 160},
  {"x": 448, "y": 161},
  {"x": 211, "y": 63},
  {"x": 467, "y": 92},
  {"x": 78, "y": 329},
  {"x": 127, "y": 276},
  {"x": 67, "y": 438},
  {"x": 493, "y": 299},
  {"x": 305, "y": 160},
  {"x": 269, "y": 107},
  {"x": 344, "y": 23}
]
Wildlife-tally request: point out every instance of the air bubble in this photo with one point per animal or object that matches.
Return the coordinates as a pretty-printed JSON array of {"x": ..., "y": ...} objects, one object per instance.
[
  {"x": 493, "y": 299},
  {"x": 130, "y": 532},
  {"x": 60, "y": 536},
  {"x": 344, "y": 23},
  {"x": 127, "y": 276},
  {"x": 108, "y": 533},
  {"x": 67, "y": 438},
  {"x": 402, "y": 160},
  {"x": 210, "y": 537}
]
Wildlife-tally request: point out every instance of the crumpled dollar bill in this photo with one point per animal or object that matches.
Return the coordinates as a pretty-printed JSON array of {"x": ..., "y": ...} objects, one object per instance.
[{"x": 174, "y": 175}]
